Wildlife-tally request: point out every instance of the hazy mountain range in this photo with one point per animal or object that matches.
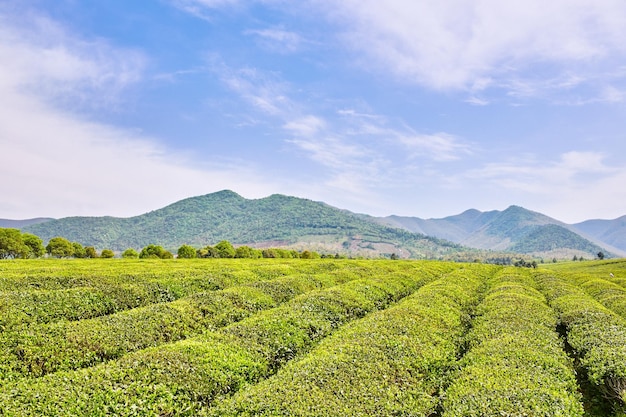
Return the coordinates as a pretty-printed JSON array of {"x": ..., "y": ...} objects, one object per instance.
[{"x": 283, "y": 221}]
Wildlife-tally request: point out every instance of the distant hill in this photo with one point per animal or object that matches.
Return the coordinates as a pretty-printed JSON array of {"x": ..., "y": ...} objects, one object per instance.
[
  {"x": 18, "y": 224},
  {"x": 291, "y": 222},
  {"x": 275, "y": 221},
  {"x": 612, "y": 232},
  {"x": 515, "y": 229}
]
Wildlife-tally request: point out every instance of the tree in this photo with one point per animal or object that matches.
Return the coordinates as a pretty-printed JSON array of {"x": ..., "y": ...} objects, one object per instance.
[
  {"x": 247, "y": 252},
  {"x": 130, "y": 253},
  {"x": 600, "y": 255},
  {"x": 187, "y": 252},
  {"x": 12, "y": 245},
  {"x": 59, "y": 247},
  {"x": 79, "y": 250},
  {"x": 225, "y": 249},
  {"x": 153, "y": 252},
  {"x": 90, "y": 252},
  {"x": 107, "y": 253},
  {"x": 208, "y": 252},
  {"x": 35, "y": 245}
]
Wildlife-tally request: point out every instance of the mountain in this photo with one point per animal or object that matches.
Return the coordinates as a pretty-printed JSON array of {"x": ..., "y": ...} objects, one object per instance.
[
  {"x": 18, "y": 224},
  {"x": 276, "y": 220},
  {"x": 516, "y": 229},
  {"x": 613, "y": 232}
]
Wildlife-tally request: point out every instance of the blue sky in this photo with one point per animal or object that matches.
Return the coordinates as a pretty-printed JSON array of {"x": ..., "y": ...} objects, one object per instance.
[{"x": 423, "y": 109}]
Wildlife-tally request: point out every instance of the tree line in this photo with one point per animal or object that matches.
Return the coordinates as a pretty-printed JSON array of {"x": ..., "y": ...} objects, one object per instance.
[{"x": 17, "y": 245}]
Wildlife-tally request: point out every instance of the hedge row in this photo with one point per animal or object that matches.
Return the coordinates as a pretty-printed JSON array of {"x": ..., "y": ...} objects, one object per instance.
[
  {"x": 391, "y": 362},
  {"x": 139, "y": 284},
  {"x": 516, "y": 364},
  {"x": 177, "y": 378},
  {"x": 596, "y": 334},
  {"x": 38, "y": 350},
  {"x": 608, "y": 293}
]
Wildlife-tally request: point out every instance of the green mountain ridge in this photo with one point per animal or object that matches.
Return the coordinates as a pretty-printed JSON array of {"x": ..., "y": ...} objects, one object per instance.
[
  {"x": 514, "y": 229},
  {"x": 297, "y": 223},
  {"x": 276, "y": 220}
]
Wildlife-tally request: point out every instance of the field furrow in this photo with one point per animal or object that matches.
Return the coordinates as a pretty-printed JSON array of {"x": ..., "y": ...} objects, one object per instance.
[
  {"x": 515, "y": 364},
  {"x": 177, "y": 378},
  {"x": 36, "y": 350},
  {"x": 392, "y": 362},
  {"x": 596, "y": 335}
]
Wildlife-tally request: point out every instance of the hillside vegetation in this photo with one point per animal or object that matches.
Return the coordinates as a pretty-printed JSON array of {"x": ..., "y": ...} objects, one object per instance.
[{"x": 273, "y": 221}]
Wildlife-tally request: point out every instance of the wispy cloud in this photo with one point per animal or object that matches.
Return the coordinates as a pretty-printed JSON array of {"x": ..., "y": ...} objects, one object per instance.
[
  {"x": 62, "y": 163},
  {"x": 47, "y": 61},
  {"x": 443, "y": 45},
  {"x": 577, "y": 183},
  {"x": 278, "y": 40}
]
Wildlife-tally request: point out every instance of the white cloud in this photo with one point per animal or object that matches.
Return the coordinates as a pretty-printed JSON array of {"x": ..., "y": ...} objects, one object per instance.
[
  {"x": 478, "y": 44},
  {"x": 48, "y": 62},
  {"x": 578, "y": 185},
  {"x": 278, "y": 40},
  {"x": 262, "y": 91},
  {"x": 56, "y": 163}
]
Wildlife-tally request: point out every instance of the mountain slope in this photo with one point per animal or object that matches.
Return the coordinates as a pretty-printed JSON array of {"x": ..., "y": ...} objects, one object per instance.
[
  {"x": 514, "y": 229},
  {"x": 277, "y": 220},
  {"x": 18, "y": 224},
  {"x": 612, "y": 232}
]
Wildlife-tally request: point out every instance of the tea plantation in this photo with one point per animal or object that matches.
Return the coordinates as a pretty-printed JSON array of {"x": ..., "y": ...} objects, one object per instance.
[{"x": 324, "y": 337}]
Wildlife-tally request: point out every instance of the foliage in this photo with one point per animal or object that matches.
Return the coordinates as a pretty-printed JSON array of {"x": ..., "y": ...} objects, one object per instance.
[
  {"x": 596, "y": 334},
  {"x": 301, "y": 337},
  {"x": 228, "y": 216},
  {"x": 225, "y": 249},
  {"x": 389, "y": 363},
  {"x": 12, "y": 244},
  {"x": 60, "y": 247},
  {"x": 158, "y": 380},
  {"x": 107, "y": 254},
  {"x": 516, "y": 364},
  {"x": 549, "y": 237},
  {"x": 130, "y": 253},
  {"x": 186, "y": 252},
  {"x": 154, "y": 252},
  {"x": 35, "y": 245},
  {"x": 90, "y": 252}
]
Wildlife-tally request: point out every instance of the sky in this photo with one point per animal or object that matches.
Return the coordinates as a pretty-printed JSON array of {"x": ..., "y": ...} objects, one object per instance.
[{"x": 415, "y": 108}]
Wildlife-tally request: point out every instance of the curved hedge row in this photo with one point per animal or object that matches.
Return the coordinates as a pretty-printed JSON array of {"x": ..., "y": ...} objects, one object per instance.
[
  {"x": 596, "y": 334},
  {"x": 515, "y": 364},
  {"x": 38, "y": 350},
  {"x": 177, "y": 378},
  {"x": 608, "y": 293},
  {"x": 391, "y": 362}
]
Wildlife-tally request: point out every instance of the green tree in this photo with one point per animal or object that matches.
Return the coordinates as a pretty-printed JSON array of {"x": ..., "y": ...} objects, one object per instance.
[
  {"x": 90, "y": 252},
  {"x": 107, "y": 253},
  {"x": 600, "y": 255},
  {"x": 225, "y": 249},
  {"x": 59, "y": 247},
  {"x": 12, "y": 245},
  {"x": 247, "y": 252},
  {"x": 130, "y": 253},
  {"x": 187, "y": 252},
  {"x": 269, "y": 253},
  {"x": 208, "y": 252},
  {"x": 35, "y": 245},
  {"x": 79, "y": 250},
  {"x": 152, "y": 252}
]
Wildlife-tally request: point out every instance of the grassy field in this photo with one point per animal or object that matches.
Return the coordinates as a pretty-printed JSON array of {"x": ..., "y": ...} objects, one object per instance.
[{"x": 322, "y": 337}]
